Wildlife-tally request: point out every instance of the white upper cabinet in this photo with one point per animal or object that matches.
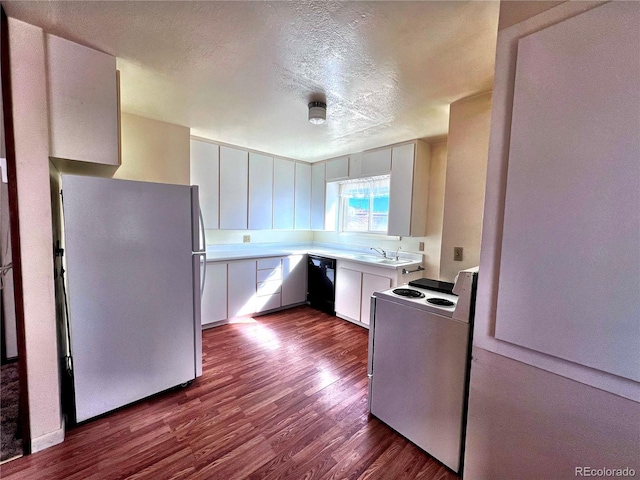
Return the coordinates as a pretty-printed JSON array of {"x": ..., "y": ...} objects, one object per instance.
[
  {"x": 355, "y": 165},
  {"x": 83, "y": 103},
  {"x": 377, "y": 162},
  {"x": 283, "y": 193},
  {"x": 337, "y": 169},
  {"x": 317, "y": 195},
  {"x": 234, "y": 188},
  {"x": 260, "y": 191},
  {"x": 369, "y": 164},
  {"x": 303, "y": 196},
  {"x": 205, "y": 172},
  {"x": 409, "y": 189}
]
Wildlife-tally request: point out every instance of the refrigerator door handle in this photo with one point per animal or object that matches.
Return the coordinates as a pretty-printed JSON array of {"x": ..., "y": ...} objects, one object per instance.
[{"x": 203, "y": 252}]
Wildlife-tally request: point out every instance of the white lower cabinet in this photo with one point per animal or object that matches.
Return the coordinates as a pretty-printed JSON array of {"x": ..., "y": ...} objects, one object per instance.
[
  {"x": 214, "y": 297},
  {"x": 348, "y": 293},
  {"x": 245, "y": 287},
  {"x": 241, "y": 295},
  {"x": 294, "y": 279},
  {"x": 371, "y": 284},
  {"x": 355, "y": 284}
]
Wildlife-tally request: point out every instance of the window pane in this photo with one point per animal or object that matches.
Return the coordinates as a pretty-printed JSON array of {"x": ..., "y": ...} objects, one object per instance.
[
  {"x": 365, "y": 205},
  {"x": 357, "y": 215},
  {"x": 380, "y": 214}
]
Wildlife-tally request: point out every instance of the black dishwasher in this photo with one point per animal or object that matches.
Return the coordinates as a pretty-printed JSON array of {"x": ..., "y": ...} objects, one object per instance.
[{"x": 321, "y": 284}]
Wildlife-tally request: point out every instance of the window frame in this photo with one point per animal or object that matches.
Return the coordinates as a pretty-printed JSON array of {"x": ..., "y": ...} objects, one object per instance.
[{"x": 344, "y": 206}]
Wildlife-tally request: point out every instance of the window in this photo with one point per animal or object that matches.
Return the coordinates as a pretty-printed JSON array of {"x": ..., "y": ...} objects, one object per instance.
[{"x": 365, "y": 205}]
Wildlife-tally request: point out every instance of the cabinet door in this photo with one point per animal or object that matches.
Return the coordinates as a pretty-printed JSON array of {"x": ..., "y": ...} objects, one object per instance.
[
  {"x": 234, "y": 181},
  {"x": 337, "y": 169},
  {"x": 214, "y": 297},
  {"x": 303, "y": 196},
  {"x": 83, "y": 103},
  {"x": 348, "y": 293},
  {"x": 260, "y": 191},
  {"x": 377, "y": 162},
  {"x": 283, "y": 193},
  {"x": 241, "y": 296},
  {"x": 401, "y": 190},
  {"x": 355, "y": 165},
  {"x": 370, "y": 284},
  {"x": 317, "y": 195},
  {"x": 205, "y": 172},
  {"x": 294, "y": 279}
]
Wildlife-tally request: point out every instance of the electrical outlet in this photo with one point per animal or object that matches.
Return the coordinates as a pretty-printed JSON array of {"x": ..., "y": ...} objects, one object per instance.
[
  {"x": 246, "y": 238},
  {"x": 457, "y": 254},
  {"x": 421, "y": 247}
]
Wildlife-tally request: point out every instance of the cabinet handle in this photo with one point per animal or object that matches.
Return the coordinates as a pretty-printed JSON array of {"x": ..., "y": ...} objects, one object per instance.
[{"x": 405, "y": 271}]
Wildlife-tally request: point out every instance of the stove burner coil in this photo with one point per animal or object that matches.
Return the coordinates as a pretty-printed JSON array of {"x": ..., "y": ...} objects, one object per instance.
[
  {"x": 407, "y": 292},
  {"x": 443, "y": 302}
]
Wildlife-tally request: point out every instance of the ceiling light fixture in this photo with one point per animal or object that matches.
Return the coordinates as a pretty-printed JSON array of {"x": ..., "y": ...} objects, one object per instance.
[{"x": 317, "y": 112}]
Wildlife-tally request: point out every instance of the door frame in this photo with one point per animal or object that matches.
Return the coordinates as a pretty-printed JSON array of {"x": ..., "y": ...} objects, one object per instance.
[{"x": 14, "y": 222}]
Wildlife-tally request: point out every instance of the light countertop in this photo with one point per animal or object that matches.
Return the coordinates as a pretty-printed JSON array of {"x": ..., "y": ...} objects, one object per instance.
[{"x": 230, "y": 252}]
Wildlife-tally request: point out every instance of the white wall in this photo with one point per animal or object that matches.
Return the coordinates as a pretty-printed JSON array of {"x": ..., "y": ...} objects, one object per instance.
[
  {"x": 468, "y": 142},
  {"x": 153, "y": 151},
  {"x": 258, "y": 236},
  {"x": 27, "y": 56},
  {"x": 435, "y": 210},
  {"x": 539, "y": 421}
]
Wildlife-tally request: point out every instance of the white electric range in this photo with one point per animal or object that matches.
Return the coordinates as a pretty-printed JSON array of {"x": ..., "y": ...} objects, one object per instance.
[{"x": 419, "y": 344}]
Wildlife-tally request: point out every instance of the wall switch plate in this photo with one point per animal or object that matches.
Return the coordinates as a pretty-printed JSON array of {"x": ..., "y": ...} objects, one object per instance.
[
  {"x": 457, "y": 254},
  {"x": 246, "y": 238},
  {"x": 421, "y": 246}
]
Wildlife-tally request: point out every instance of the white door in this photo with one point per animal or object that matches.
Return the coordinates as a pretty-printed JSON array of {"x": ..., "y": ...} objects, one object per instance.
[
  {"x": 283, "y": 193},
  {"x": 401, "y": 190},
  {"x": 317, "y": 195},
  {"x": 205, "y": 172},
  {"x": 370, "y": 284},
  {"x": 294, "y": 279},
  {"x": 303, "y": 196},
  {"x": 348, "y": 293},
  {"x": 234, "y": 182},
  {"x": 241, "y": 295},
  {"x": 260, "y": 191},
  {"x": 214, "y": 297}
]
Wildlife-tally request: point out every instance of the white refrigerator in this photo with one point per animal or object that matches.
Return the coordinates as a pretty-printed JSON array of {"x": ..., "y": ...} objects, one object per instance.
[{"x": 128, "y": 264}]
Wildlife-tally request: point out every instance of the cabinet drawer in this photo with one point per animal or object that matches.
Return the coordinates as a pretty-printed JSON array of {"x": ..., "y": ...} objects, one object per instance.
[
  {"x": 267, "y": 303},
  {"x": 271, "y": 274},
  {"x": 269, "y": 288},
  {"x": 265, "y": 263}
]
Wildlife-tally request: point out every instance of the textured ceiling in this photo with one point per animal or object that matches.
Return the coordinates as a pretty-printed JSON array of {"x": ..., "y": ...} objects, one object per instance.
[{"x": 243, "y": 72}]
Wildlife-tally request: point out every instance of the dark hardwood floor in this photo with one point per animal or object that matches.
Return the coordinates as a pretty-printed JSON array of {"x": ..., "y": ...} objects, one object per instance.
[{"x": 284, "y": 396}]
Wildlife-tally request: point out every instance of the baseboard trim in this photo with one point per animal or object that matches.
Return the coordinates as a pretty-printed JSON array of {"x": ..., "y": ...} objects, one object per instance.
[{"x": 47, "y": 440}]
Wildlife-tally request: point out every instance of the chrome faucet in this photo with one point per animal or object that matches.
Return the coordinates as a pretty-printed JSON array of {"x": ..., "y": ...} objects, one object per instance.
[
  {"x": 397, "y": 254},
  {"x": 380, "y": 251}
]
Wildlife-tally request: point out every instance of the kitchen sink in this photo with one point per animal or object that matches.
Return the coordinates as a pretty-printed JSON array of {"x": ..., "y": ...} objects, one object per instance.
[
  {"x": 379, "y": 260},
  {"x": 391, "y": 261}
]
